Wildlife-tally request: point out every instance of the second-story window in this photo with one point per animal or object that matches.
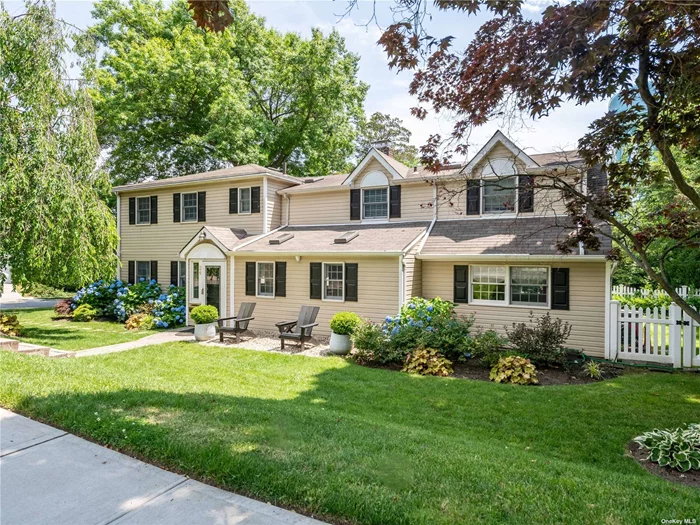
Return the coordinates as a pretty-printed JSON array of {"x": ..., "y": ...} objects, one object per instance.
[
  {"x": 375, "y": 203},
  {"x": 189, "y": 207},
  {"x": 244, "y": 200},
  {"x": 499, "y": 195},
  {"x": 143, "y": 214}
]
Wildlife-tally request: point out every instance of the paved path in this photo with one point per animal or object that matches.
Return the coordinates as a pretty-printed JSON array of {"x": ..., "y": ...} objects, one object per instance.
[
  {"x": 50, "y": 476},
  {"x": 155, "y": 339},
  {"x": 10, "y": 300}
]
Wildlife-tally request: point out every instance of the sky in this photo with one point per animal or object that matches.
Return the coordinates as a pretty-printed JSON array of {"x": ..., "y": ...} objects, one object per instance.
[{"x": 388, "y": 91}]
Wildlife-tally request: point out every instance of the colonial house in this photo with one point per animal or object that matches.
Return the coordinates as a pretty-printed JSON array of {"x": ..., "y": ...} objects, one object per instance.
[{"x": 476, "y": 234}]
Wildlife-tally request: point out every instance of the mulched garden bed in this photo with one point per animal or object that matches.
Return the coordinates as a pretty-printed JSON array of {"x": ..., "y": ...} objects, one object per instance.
[
  {"x": 639, "y": 453},
  {"x": 545, "y": 376}
]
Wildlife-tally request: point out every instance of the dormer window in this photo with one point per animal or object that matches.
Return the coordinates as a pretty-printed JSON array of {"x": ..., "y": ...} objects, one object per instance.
[
  {"x": 499, "y": 186},
  {"x": 375, "y": 196}
]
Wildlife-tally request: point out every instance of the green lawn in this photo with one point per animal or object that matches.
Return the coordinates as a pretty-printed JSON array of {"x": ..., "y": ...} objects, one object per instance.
[
  {"x": 362, "y": 445},
  {"x": 39, "y": 328}
]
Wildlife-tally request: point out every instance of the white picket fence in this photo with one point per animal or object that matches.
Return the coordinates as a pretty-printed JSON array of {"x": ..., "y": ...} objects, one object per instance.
[
  {"x": 662, "y": 335},
  {"x": 625, "y": 291}
]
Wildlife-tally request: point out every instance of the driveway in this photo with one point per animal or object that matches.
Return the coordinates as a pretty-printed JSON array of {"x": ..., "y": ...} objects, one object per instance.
[
  {"x": 50, "y": 476},
  {"x": 10, "y": 300}
]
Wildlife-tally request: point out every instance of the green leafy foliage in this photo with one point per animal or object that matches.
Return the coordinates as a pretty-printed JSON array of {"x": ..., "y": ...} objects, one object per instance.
[
  {"x": 85, "y": 313},
  {"x": 592, "y": 370},
  {"x": 652, "y": 301},
  {"x": 9, "y": 325},
  {"x": 514, "y": 369},
  {"x": 42, "y": 291},
  {"x": 55, "y": 228},
  {"x": 371, "y": 344},
  {"x": 488, "y": 347},
  {"x": 381, "y": 127},
  {"x": 344, "y": 323},
  {"x": 204, "y": 314},
  {"x": 541, "y": 339},
  {"x": 427, "y": 362},
  {"x": 678, "y": 449}
]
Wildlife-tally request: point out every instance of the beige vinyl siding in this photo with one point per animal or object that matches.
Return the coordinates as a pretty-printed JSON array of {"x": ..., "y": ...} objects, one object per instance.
[
  {"x": 274, "y": 204},
  {"x": 327, "y": 207},
  {"x": 162, "y": 242},
  {"x": 372, "y": 165},
  {"x": 586, "y": 312},
  {"x": 378, "y": 291},
  {"x": 413, "y": 275},
  {"x": 416, "y": 198}
]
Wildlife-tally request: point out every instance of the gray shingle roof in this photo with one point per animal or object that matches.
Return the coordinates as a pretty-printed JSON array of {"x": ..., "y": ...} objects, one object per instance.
[
  {"x": 516, "y": 236},
  {"x": 379, "y": 238},
  {"x": 229, "y": 237}
]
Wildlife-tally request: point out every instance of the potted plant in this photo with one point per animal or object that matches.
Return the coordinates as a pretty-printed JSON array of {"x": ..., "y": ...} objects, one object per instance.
[
  {"x": 343, "y": 325},
  {"x": 204, "y": 317}
]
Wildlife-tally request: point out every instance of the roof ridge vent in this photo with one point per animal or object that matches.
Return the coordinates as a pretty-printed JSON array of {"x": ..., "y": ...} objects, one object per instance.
[
  {"x": 282, "y": 238},
  {"x": 346, "y": 237}
]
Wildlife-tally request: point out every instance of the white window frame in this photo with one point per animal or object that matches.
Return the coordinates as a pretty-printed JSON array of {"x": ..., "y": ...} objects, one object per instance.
[
  {"x": 196, "y": 207},
  {"x": 136, "y": 271},
  {"x": 324, "y": 283},
  {"x": 257, "y": 279},
  {"x": 181, "y": 273},
  {"x": 388, "y": 204},
  {"x": 139, "y": 222},
  {"x": 508, "y": 301},
  {"x": 196, "y": 276},
  {"x": 484, "y": 181},
  {"x": 250, "y": 200}
]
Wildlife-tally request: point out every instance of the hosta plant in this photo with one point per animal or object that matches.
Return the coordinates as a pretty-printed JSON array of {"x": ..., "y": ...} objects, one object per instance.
[
  {"x": 427, "y": 362},
  {"x": 514, "y": 369},
  {"x": 9, "y": 325},
  {"x": 678, "y": 449}
]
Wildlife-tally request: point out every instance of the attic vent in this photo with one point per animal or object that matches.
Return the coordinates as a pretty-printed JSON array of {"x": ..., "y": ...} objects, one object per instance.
[
  {"x": 282, "y": 238},
  {"x": 346, "y": 237}
]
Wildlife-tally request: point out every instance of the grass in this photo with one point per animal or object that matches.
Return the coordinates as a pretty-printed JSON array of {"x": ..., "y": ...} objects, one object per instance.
[
  {"x": 361, "y": 445},
  {"x": 39, "y": 328}
]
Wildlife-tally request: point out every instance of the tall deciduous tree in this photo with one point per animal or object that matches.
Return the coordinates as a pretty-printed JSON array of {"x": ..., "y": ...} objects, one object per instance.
[
  {"x": 383, "y": 127},
  {"x": 646, "y": 52},
  {"x": 54, "y": 227},
  {"x": 172, "y": 99}
]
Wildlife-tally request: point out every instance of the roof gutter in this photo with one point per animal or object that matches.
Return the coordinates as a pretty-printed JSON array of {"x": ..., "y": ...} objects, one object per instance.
[
  {"x": 158, "y": 184},
  {"x": 318, "y": 254},
  {"x": 509, "y": 257}
]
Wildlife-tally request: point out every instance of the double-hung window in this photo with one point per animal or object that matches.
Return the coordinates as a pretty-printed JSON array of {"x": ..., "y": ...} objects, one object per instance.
[
  {"x": 265, "y": 279},
  {"x": 375, "y": 203},
  {"x": 189, "y": 207},
  {"x": 143, "y": 210},
  {"x": 528, "y": 286},
  {"x": 143, "y": 271},
  {"x": 333, "y": 279},
  {"x": 499, "y": 195},
  {"x": 244, "y": 200},
  {"x": 488, "y": 283},
  {"x": 514, "y": 285}
]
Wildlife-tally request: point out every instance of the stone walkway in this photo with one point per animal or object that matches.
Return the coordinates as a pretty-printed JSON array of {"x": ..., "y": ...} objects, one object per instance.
[
  {"x": 50, "y": 476},
  {"x": 155, "y": 339}
]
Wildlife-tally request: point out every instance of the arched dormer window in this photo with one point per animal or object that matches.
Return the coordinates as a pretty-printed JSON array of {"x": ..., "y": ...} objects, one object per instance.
[{"x": 375, "y": 196}]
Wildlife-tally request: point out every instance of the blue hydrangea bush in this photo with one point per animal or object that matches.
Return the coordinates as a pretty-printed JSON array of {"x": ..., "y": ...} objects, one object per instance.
[{"x": 118, "y": 300}]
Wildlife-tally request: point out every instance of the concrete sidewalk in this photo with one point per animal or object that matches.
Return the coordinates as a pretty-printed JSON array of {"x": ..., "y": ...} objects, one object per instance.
[{"x": 50, "y": 476}]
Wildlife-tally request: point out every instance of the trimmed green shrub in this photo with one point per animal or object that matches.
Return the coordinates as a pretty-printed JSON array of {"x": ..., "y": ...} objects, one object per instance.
[
  {"x": 204, "y": 314},
  {"x": 85, "y": 313},
  {"x": 344, "y": 323},
  {"x": 678, "y": 449},
  {"x": 541, "y": 340},
  {"x": 427, "y": 362},
  {"x": 514, "y": 369},
  {"x": 9, "y": 325},
  {"x": 488, "y": 347},
  {"x": 371, "y": 345}
]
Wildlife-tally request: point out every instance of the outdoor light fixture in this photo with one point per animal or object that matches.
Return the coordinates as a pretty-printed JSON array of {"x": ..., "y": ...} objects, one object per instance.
[
  {"x": 202, "y": 236},
  {"x": 297, "y": 257}
]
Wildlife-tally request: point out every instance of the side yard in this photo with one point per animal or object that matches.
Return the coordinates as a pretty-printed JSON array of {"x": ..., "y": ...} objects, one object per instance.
[{"x": 353, "y": 444}]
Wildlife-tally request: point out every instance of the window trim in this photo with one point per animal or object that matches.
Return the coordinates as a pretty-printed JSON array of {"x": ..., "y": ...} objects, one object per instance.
[
  {"x": 362, "y": 204},
  {"x": 250, "y": 204},
  {"x": 182, "y": 207},
  {"x": 257, "y": 279},
  {"x": 139, "y": 222},
  {"x": 323, "y": 283},
  {"x": 136, "y": 271},
  {"x": 508, "y": 303},
  {"x": 482, "y": 210}
]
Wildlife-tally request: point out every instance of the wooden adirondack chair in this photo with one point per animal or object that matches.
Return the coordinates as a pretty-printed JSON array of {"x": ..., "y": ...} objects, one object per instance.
[
  {"x": 240, "y": 322},
  {"x": 299, "y": 330}
]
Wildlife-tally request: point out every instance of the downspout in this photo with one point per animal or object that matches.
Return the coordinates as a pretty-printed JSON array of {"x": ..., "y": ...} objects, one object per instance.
[
  {"x": 264, "y": 189},
  {"x": 289, "y": 204},
  {"x": 402, "y": 277}
]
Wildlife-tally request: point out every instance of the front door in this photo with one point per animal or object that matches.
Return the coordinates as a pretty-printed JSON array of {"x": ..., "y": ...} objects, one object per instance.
[{"x": 212, "y": 279}]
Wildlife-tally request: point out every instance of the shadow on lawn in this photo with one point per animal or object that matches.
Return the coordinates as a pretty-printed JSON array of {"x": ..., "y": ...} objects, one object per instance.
[{"x": 51, "y": 336}]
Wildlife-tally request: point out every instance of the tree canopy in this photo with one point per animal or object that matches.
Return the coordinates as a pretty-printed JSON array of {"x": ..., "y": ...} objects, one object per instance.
[
  {"x": 172, "y": 99},
  {"x": 54, "y": 226},
  {"x": 382, "y": 127}
]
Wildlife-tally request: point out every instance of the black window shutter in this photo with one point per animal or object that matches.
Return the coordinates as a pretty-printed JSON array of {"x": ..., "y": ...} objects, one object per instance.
[
  {"x": 526, "y": 194},
  {"x": 315, "y": 280},
  {"x": 233, "y": 200},
  {"x": 280, "y": 279},
  {"x": 461, "y": 284},
  {"x": 154, "y": 270},
  {"x": 132, "y": 210},
  {"x": 355, "y": 196},
  {"x": 255, "y": 199},
  {"x": 473, "y": 197},
  {"x": 173, "y": 272},
  {"x": 250, "y": 278},
  {"x": 176, "y": 207},
  {"x": 351, "y": 281},
  {"x": 202, "y": 206},
  {"x": 560, "y": 288},
  {"x": 154, "y": 209},
  {"x": 395, "y": 202},
  {"x": 132, "y": 272}
]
